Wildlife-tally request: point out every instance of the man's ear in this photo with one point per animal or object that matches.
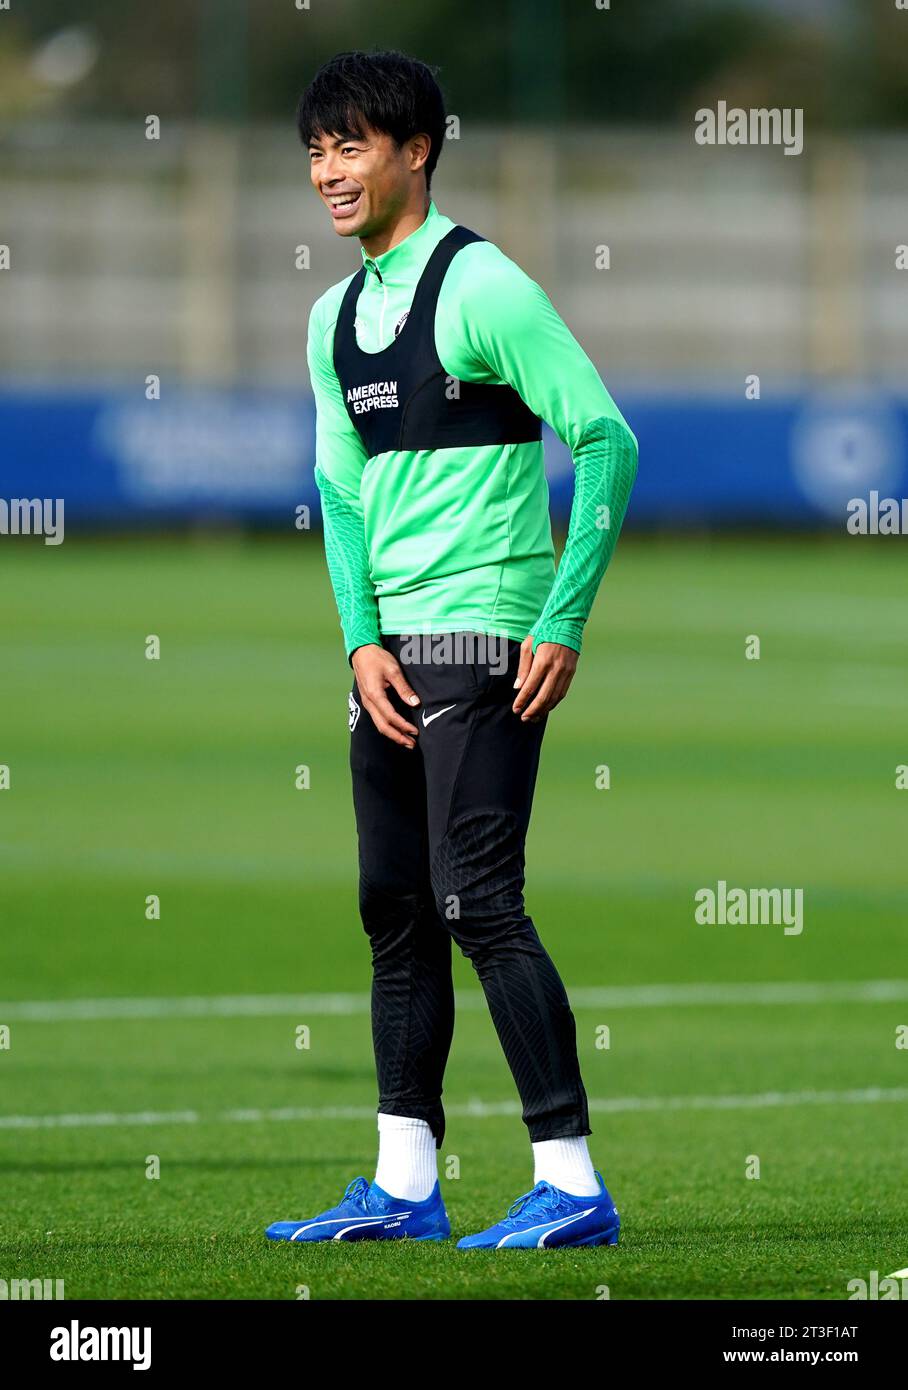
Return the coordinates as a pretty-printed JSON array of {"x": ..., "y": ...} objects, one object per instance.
[{"x": 420, "y": 146}]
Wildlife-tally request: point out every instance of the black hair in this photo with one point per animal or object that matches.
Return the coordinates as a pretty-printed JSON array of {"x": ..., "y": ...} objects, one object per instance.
[{"x": 385, "y": 90}]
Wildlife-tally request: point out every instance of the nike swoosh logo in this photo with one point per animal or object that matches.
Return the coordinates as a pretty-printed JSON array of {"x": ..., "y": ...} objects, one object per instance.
[{"x": 427, "y": 718}]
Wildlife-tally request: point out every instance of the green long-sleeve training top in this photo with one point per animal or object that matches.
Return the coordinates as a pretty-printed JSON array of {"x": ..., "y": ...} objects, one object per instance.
[{"x": 466, "y": 543}]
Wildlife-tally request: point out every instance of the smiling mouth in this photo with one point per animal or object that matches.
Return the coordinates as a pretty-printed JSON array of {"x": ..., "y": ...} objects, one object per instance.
[{"x": 343, "y": 204}]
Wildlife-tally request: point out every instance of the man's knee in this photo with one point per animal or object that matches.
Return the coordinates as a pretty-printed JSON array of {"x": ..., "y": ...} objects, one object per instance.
[
  {"x": 477, "y": 880},
  {"x": 398, "y": 918}
]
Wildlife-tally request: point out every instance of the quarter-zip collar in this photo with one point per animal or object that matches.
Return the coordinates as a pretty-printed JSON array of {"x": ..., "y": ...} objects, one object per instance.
[{"x": 407, "y": 260}]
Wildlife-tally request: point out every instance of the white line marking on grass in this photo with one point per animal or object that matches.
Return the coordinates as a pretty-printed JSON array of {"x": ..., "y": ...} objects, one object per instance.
[
  {"x": 188, "y": 1006},
  {"x": 779, "y": 992},
  {"x": 102, "y": 1119},
  {"x": 899, "y": 1274},
  {"x": 603, "y": 997},
  {"x": 473, "y": 1109}
]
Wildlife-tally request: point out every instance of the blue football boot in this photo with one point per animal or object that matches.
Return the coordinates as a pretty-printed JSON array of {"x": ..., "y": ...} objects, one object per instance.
[
  {"x": 366, "y": 1212},
  {"x": 547, "y": 1218}
]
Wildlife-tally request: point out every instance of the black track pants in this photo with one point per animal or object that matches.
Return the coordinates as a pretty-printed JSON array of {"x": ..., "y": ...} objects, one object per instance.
[{"x": 441, "y": 832}]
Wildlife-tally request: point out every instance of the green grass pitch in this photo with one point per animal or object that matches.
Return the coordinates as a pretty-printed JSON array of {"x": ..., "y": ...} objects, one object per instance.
[{"x": 175, "y": 777}]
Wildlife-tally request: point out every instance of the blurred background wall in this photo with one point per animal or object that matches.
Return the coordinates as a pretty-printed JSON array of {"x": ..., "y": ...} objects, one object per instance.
[{"x": 749, "y": 313}]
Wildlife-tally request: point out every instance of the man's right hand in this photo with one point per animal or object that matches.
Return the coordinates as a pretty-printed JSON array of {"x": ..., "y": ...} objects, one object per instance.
[{"x": 376, "y": 670}]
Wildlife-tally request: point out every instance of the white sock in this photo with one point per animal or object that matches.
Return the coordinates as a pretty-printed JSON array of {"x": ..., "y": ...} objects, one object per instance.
[
  {"x": 566, "y": 1163},
  {"x": 407, "y": 1166}
]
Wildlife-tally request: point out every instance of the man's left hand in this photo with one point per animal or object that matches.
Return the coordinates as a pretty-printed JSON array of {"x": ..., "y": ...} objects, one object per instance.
[{"x": 543, "y": 679}]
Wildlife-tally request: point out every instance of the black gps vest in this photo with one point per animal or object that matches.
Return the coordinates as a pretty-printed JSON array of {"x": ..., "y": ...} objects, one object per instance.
[{"x": 402, "y": 397}]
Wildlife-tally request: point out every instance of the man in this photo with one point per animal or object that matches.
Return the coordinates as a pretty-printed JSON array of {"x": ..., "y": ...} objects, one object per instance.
[{"x": 432, "y": 369}]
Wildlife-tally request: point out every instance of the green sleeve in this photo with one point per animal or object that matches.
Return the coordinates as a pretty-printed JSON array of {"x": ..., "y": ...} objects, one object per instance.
[
  {"x": 605, "y": 465},
  {"x": 500, "y": 326},
  {"x": 348, "y": 567},
  {"x": 339, "y": 461}
]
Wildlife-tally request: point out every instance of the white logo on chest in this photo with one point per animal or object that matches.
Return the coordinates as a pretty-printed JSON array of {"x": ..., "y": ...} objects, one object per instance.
[{"x": 374, "y": 395}]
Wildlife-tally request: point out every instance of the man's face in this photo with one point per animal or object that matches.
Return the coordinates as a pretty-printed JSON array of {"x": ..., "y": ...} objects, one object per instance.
[{"x": 364, "y": 181}]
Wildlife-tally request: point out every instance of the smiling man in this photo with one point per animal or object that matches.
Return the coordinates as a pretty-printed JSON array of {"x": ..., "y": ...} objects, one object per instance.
[{"x": 433, "y": 367}]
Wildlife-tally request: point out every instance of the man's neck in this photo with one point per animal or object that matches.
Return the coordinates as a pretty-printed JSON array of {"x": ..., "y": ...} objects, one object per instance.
[{"x": 404, "y": 226}]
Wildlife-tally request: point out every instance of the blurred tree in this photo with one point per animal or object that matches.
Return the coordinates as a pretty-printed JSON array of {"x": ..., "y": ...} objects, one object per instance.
[
  {"x": 885, "y": 59},
  {"x": 844, "y": 61}
]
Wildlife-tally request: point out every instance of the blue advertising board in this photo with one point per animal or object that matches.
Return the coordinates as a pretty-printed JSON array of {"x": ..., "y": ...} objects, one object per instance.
[{"x": 208, "y": 456}]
